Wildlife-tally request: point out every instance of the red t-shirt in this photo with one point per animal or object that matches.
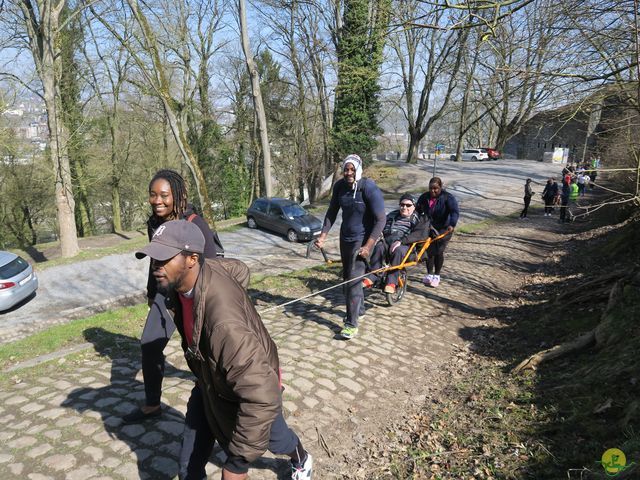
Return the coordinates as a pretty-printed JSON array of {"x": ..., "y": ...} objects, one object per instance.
[{"x": 187, "y": 317}]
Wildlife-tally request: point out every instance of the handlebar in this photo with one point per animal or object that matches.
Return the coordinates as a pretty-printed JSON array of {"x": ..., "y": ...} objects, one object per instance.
[
  {"x": 311, "y": 246},
  {"x": 355, "y": 256}
]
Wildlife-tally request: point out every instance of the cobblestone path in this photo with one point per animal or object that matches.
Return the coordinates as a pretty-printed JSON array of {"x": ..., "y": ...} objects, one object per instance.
[{"x": 66, "y": 423}]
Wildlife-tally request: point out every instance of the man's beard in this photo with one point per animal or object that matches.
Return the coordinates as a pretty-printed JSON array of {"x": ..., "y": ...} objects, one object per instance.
[{"x": 165, "y": 290}]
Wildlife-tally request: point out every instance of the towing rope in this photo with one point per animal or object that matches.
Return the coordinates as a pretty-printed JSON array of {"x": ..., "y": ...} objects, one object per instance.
[{"x": 404, "y": 264}]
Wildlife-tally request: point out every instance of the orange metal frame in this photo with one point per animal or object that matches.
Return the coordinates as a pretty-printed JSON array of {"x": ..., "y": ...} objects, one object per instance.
[{"x": 405, "y": 261}]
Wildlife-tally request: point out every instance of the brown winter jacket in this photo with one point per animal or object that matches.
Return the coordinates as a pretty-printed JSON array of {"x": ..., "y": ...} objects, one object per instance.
[{"x": 233, "y": 357}]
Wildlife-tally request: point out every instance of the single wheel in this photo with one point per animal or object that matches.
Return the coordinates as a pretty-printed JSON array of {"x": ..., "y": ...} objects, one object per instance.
[
  {"x": 251, "y": 223},
  {"x": 292, "y": 236},
  {"x": 401, "y": 288},
  {"x": 474, "y": 159},
  {"x": 452, "y": 158}
]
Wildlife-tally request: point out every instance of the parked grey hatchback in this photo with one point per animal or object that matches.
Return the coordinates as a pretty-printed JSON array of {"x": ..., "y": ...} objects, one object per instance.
[
  {"x": 283, "y": 216},
  {"x": 17, "y": 280}
]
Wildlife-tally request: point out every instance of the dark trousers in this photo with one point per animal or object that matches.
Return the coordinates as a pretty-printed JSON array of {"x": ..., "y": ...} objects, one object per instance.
[
  {"x": 395, "y": 258},
  {"x": 527, "y": 201},
  {"x": 435, "y": 253},
  {"x": 156, "y": 334},
  {"x": 548, "y": 205},
  {"x": 375, "y": 260},
  {"x": 198, "y": 439},
  {"x": 352, "y": 291},
  {"x": 564, "y": 206}
]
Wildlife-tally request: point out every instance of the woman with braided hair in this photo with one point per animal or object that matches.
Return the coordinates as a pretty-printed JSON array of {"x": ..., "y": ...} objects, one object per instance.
[
  {"x": 441, "y": 208},
  {"x": 168, "y": 200}
]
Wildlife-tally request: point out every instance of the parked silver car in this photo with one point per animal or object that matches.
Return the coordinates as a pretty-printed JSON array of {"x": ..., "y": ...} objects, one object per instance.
[{"x": 17, "y": 280}]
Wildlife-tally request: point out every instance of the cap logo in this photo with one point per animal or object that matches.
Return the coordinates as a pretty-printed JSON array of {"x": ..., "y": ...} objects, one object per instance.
[{"x": 159, "y": 231}]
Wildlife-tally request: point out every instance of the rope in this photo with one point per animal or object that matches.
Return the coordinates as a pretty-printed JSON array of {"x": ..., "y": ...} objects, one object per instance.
[
  {"x": 313, "y": 294},
  {"x": 388, "y": 268}
]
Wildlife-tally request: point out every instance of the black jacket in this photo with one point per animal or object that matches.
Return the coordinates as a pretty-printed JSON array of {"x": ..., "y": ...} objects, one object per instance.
[{"x": 445, "y": 212}]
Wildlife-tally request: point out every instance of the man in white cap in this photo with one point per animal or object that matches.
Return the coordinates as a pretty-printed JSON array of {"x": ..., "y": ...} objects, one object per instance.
[
  {"x": 237, "y": 399},
  {"x": 363, "y": 219}
]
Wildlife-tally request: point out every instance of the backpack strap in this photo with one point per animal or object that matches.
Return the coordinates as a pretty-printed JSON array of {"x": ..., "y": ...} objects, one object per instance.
[{"x": 191, "y": 217}]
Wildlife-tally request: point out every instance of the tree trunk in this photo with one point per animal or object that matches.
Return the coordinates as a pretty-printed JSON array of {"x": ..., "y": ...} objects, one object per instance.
[
  {"x": 257, "y": 98},
  {"x": 58, "y": 143},
  {"x": 83, "y": 211},
  {"x": 43, "y": 43},
  {"x": 414, "y": 145},
  {"x": 116, "y": 223}
]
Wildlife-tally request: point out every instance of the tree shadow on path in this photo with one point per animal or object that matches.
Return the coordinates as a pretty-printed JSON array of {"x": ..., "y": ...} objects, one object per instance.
[{"x": 156, "y": 444}]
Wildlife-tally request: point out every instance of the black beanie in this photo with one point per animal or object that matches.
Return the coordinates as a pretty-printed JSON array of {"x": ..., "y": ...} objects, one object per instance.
[{"x": 408, "y": 196}]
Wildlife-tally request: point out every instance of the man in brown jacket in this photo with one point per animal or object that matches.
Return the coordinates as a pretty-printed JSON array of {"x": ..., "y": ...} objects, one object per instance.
[{"x": 237, "y": 399}]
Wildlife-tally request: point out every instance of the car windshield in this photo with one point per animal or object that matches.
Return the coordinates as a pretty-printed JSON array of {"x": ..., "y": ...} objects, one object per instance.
[
  {"x": 294, "y": 210},
  {"x": 13, "y": 268}
]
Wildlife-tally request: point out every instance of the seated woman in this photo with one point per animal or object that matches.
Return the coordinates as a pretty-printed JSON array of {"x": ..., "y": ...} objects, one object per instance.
[{"x": 400, "y": 223}]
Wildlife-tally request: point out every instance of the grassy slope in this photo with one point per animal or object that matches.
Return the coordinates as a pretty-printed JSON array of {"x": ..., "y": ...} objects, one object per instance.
[
  {"x": 127, "y": 322},
  {"x": 556, "y": 422}
]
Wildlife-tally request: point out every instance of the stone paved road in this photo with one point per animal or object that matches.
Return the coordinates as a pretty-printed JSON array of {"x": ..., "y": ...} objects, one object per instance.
[
  {"x": 73, "y": 291},
  {"x": 65, "y": 423}
]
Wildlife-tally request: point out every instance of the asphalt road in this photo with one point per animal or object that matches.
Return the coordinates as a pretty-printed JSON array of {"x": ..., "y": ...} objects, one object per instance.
[{"x": 483, "y": 189}]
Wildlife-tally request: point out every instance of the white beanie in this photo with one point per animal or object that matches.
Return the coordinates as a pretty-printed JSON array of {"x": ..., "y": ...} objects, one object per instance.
[{"x": 356, "y": 161}]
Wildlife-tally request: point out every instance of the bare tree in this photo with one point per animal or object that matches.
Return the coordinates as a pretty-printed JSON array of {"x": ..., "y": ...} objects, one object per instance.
[
  {"x": 158, "y": 80},
  {"x": 115, "y": 64},
  {"x": 429, "y": 59},
  {"x": 41, "y": 21},
  {"x": 257, "y": 97},
  {"x": 520, "y": 52}
]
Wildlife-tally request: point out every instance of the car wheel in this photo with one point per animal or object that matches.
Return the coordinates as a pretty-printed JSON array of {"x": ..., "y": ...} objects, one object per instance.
[
  {"x": 452, "y": 158},
  {"x": 474, "y": 159},
  {"x": 292, "y": 236},
  {"x": 251, "y": 223}
]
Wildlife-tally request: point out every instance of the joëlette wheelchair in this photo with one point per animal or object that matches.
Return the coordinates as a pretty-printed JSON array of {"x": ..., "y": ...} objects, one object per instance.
[{"x": 416, "y": 254}]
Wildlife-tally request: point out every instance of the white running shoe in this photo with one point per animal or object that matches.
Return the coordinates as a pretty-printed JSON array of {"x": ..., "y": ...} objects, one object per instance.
[
  {"x": 302, "y": 472},
  {"x": 427, "y": 280}
]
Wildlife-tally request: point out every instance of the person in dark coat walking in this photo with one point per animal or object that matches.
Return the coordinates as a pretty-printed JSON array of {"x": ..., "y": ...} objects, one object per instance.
[
  {"x": 237, "y": 396},
  {"x": 363, "y": 219},
  {"x": 528, "y": 193},
  {"x": 548, "y": 195},
  {"x": 441, "y": 208}
]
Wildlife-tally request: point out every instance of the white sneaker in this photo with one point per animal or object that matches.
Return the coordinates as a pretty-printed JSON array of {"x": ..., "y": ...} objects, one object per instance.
[
  {"x": 427, "y": 280},
  {"x": 302, "y": 472}
]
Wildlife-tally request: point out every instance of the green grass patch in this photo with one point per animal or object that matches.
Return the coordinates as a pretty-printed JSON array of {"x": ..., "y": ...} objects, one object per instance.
[
  {"x": 120, "y": 328},
  {"x": 385, "y": 176},
  {"x": 119, "y": 323},
  {"x": 87, "y": 253},
  {"x": 234, "y": 228},
  {"x": 302, "y": 281}
]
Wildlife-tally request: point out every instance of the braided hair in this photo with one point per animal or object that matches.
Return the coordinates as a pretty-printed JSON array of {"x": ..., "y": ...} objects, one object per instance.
[{"x": 178, "y": 190}]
